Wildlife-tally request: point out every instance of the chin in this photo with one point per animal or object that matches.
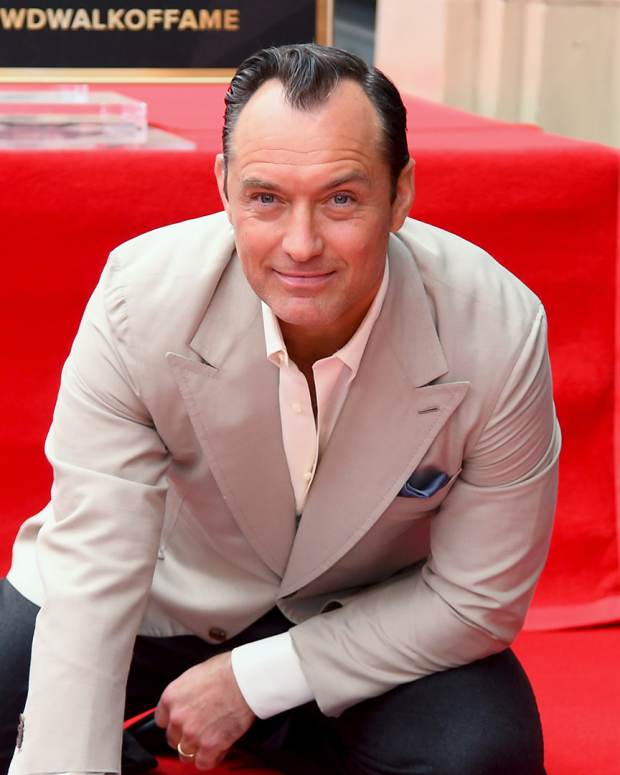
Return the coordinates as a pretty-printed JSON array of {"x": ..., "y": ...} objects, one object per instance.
[{"x": 302, "y": 317}]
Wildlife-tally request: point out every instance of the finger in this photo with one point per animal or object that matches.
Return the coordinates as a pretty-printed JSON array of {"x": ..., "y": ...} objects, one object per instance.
[
  {"x": 161, "y": 716},
  {"x": 174, "y": 735},
  {"x": 206, "y": 760},
  {"x": 186, "y": 752}
]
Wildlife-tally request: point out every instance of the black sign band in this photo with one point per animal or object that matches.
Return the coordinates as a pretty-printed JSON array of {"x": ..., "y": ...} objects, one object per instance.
[{"x": 159, "y": 40}]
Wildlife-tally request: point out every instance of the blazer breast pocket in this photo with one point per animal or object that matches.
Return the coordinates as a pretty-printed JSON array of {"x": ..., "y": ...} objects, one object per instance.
[{"x": 421, "y": 494}]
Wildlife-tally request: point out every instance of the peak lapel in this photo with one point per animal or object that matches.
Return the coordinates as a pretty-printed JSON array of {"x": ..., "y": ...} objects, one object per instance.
[
  {"x": 389, "y": 420},
  {"x": 232, "y": 399}
]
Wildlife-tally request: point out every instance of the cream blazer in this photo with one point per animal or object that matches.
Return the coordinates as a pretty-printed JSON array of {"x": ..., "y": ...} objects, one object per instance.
[{"x": 172, "y": 509}]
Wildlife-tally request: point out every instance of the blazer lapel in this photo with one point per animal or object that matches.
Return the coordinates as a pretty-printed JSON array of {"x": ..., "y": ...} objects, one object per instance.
[
  {"x": 390, "y": 418},
  {"x": 232, "y": 399}
]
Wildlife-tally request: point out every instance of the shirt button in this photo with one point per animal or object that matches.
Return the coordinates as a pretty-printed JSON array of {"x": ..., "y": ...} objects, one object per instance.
[
  {"x": 296, "y": 407},
  {"x": 216, "y": 633},
  {"x": 308, "y": 476}
]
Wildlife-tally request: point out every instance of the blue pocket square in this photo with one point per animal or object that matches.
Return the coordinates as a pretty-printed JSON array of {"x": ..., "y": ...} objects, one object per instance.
[{"x": 423, "y": 483}]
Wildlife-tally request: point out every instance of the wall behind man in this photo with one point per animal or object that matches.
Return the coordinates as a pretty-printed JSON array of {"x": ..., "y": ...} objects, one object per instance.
[{"x": 555, "y": 63}]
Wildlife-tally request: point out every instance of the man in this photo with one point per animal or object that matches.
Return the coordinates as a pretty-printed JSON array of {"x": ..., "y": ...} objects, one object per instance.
[{"x": 318, "y": 483}]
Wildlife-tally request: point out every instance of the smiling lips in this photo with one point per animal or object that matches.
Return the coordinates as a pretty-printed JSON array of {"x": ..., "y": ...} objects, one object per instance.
[{"x": 301, "y": 280}]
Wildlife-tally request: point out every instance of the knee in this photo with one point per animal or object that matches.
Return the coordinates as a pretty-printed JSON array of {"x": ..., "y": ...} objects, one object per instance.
[
  {"x": 489, "y": 755},
  {"x": 480, "y": 719},
  {"x": 468, "y": 748},
  {"x": 480, "y": 757}
]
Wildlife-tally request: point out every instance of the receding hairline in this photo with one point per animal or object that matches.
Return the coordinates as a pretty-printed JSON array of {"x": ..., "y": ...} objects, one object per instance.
[{"x": 316, "y": 104}]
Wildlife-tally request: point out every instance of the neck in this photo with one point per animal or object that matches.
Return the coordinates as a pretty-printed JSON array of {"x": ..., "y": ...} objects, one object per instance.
[{"x": 306, "y": 346}]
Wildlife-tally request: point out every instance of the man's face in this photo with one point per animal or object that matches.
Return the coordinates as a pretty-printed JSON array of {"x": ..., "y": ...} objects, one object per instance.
[{"x": 309, "y": 197}]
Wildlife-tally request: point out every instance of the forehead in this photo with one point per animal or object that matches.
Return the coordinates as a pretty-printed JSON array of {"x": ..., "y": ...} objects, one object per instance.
[{"x": 343, "y": 129}]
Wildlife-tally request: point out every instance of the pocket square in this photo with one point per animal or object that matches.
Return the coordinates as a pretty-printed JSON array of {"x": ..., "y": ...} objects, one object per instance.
[{"x": 423, "y": 483}]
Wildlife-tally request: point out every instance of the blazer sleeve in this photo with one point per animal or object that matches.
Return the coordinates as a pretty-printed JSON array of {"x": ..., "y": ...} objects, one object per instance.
[
  {"x": 489, "y": 542},
  {"x": 97, "y": 551}
]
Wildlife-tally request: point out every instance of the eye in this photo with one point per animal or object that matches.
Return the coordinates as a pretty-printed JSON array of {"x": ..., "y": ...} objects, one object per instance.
[
  {"x": 264, "y": 198},
  {"x": 342, "y": 199}
]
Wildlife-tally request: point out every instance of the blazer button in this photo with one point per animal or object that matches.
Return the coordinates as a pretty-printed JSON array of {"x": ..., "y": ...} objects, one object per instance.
[
  {"x": 20, "y": 732},
  {"x": 216, "y": 633}
]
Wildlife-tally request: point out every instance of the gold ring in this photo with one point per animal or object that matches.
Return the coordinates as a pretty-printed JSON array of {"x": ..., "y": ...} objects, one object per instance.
[{"x": 185, "y": 755}]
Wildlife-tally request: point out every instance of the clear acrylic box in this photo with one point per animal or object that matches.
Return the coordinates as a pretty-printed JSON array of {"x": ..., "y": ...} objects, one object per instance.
[{"x": 68, "y": 116}]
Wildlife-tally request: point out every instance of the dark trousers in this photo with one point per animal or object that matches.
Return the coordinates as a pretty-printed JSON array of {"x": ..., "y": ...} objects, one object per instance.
[{"x": 480, "y": 719}]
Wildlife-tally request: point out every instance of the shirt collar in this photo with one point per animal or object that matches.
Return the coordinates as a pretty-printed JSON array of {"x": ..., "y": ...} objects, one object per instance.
[{"x": 350, "y": 354}]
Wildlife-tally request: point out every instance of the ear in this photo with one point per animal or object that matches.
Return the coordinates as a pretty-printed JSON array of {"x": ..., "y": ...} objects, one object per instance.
[
  {"x": 405, "y": 194},
  {"x": 219, "y": 169}
]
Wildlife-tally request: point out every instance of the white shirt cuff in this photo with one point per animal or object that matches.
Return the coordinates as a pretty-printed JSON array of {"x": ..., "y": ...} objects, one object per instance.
[{"x": 269, "y": 675}]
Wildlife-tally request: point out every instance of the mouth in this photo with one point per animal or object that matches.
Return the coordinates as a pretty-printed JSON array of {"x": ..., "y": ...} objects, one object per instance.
[{"x": 304, "y": 279}]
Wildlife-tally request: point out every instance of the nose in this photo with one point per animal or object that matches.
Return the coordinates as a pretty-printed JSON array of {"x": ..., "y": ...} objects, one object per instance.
[{"x": 302, "y": 240}]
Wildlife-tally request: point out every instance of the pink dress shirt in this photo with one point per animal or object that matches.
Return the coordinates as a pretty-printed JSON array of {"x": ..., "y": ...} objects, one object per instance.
[{"x": 268, "y": 671}]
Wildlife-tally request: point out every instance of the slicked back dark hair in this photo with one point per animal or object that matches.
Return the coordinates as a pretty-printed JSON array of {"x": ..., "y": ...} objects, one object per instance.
[{"x": 309, "y": 73}]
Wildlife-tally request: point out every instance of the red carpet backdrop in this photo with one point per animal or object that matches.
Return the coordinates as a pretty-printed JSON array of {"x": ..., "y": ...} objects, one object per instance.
[{"x": 545, "y": 206}]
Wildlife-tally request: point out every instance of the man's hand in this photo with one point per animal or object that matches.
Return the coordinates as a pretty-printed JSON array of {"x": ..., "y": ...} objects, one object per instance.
[{"x": 204, "y": 712}]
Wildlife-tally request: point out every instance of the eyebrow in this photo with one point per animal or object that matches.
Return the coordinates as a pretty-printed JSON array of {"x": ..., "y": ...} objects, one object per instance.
[
  {"x": 259, "y": 183},
  {"x": 349, "y": 177}
]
